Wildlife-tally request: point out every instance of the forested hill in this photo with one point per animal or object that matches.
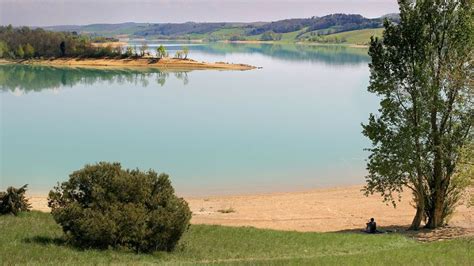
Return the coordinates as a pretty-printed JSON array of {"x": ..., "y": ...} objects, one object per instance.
[{"x": 288, "y": 29}]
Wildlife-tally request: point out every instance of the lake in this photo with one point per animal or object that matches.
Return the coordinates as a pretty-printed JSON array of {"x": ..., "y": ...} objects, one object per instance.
[{"x": 293, "y": 125}]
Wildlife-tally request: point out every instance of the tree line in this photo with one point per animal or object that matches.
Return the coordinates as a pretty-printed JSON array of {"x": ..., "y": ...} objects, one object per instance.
[{"x": 26, "y": 43}]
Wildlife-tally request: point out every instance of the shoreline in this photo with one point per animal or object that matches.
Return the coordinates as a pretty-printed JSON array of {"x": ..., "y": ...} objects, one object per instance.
[
  {"x": 350, "y": 45},
  {"x": 316, "y": 210},
  {"x": 164, "y": 63}
]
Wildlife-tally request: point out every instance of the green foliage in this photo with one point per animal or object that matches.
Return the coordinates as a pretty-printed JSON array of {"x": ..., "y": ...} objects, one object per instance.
[
  {"x": 182, "y": 54},
  {"x": 161, "y": 52},
  {"x": 3, "y": 49},
  {"x": 129, "y": 51},
  {"x": 422, "y": 71},
  {"x": 185, "y": 52},
  {"x": 463, "y": 178},
  {"x": 20, "y": 52},
  {"x": 13, "y": 201},
  {"x": 235, "y": 38},
  {"x": 105, "y": 206},
  {"x": 104, "y": 51},
  {"x": 270, "y": 36},
  {"x": 342, "y": 22},
  {"x": 24, "y": 42},
  {"x": 328, "y": 39},
  {"x": 178, "y": 54},
  {"x": 29, "y": 51},
  {"x": 118, "y": 50}
]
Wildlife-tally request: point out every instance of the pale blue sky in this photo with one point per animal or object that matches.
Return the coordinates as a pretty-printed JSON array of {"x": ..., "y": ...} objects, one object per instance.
[{"x": 61, "y": 12}]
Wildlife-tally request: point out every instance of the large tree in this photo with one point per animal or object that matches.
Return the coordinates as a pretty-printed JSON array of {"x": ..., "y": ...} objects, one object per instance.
[{"x": 422, "y": 71}]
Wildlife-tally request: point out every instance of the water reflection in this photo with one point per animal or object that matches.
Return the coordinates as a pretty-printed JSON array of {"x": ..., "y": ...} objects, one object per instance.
[
  {"x": 24, "y": 78},
  {"x": 333, "y": 55},
  {"x": 327, "y": 54}
]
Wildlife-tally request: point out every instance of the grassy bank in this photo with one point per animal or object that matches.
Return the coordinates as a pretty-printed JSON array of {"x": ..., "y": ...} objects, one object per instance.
[
  {"x": 34, "y": 238},
  {"x": 356, "y": 37}
]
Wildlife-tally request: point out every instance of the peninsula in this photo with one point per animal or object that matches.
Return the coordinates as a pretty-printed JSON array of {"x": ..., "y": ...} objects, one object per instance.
[{"x": 163, "y": 63}]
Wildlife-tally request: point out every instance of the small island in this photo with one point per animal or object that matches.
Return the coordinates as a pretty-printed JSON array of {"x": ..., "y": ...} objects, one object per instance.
[{"x": 40, "y": 47}]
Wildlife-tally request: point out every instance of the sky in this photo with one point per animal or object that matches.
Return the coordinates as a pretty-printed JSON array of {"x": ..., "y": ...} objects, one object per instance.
[{"x": 81, "y": 12}]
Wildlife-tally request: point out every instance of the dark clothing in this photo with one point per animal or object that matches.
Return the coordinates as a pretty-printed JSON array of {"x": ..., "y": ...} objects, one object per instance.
[{"x": 371, "y": 228}]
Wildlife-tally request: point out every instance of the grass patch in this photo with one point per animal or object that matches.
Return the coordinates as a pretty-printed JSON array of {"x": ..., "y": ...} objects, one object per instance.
[
  {"x": 226, "y": 33},
  {"x": 292, "y": 36},
  {"x": 360, "y": 37},
  {"x": 34, "y": 238}
]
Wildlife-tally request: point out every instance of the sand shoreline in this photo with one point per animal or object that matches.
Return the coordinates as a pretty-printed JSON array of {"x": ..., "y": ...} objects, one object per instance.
[
  {"x": 164, "y": 63},
  {"x": 317, "y": 210}
]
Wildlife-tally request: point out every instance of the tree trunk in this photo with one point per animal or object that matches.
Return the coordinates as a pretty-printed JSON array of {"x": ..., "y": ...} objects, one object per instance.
[
  {"x": 419, "y": 198},
  {"x": 436, "y": 218},
  {"x": 436, "y": 185},
  {"x": 420, "y": 213}
]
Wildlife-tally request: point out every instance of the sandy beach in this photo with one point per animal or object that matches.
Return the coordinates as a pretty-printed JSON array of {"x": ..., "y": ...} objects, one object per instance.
[
  {"x": 319, "y": 210},
  {"x": 164, "y": 63}
]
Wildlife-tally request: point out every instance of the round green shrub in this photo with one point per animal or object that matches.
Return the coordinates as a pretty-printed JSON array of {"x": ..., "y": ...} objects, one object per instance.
[
  {"x": 104, "y": 206},
  {"x": 13, "y": 201}
]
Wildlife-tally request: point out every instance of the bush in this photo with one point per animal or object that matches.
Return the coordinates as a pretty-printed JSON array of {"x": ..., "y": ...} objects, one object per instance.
[
  {"x": 13, "y": 201},
  {"x": 270, "y": 36},
  {"x": 235, "y": 38},
  {"x": 105, "y": 206}
]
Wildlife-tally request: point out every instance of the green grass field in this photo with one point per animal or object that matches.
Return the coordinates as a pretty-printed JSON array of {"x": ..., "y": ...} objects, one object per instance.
[
  {"x": 227, "y": 32},
  {"x": 356, "y": 37},
  {"x": 360, "y": 37},
  {"x": 291, "y": 36},
  {"x": 34, "y": 238}
]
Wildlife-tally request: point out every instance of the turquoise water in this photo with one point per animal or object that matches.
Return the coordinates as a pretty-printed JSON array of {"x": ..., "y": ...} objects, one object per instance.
[{"x": 292, "y": 125}]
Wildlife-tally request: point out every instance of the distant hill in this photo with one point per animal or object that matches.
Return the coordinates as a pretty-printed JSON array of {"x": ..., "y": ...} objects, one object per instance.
[
  {"x": 128, "y": 28},
  {"x": 289, "y": 30},
  {"x": 338, "y": 22}
]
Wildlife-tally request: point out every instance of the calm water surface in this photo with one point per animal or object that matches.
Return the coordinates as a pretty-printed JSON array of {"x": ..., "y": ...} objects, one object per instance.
[{"x": 292, "y": 125}]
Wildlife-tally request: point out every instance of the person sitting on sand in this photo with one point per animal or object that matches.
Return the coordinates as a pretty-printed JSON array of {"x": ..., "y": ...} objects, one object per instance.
[{"x": 371, "y": 227}]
